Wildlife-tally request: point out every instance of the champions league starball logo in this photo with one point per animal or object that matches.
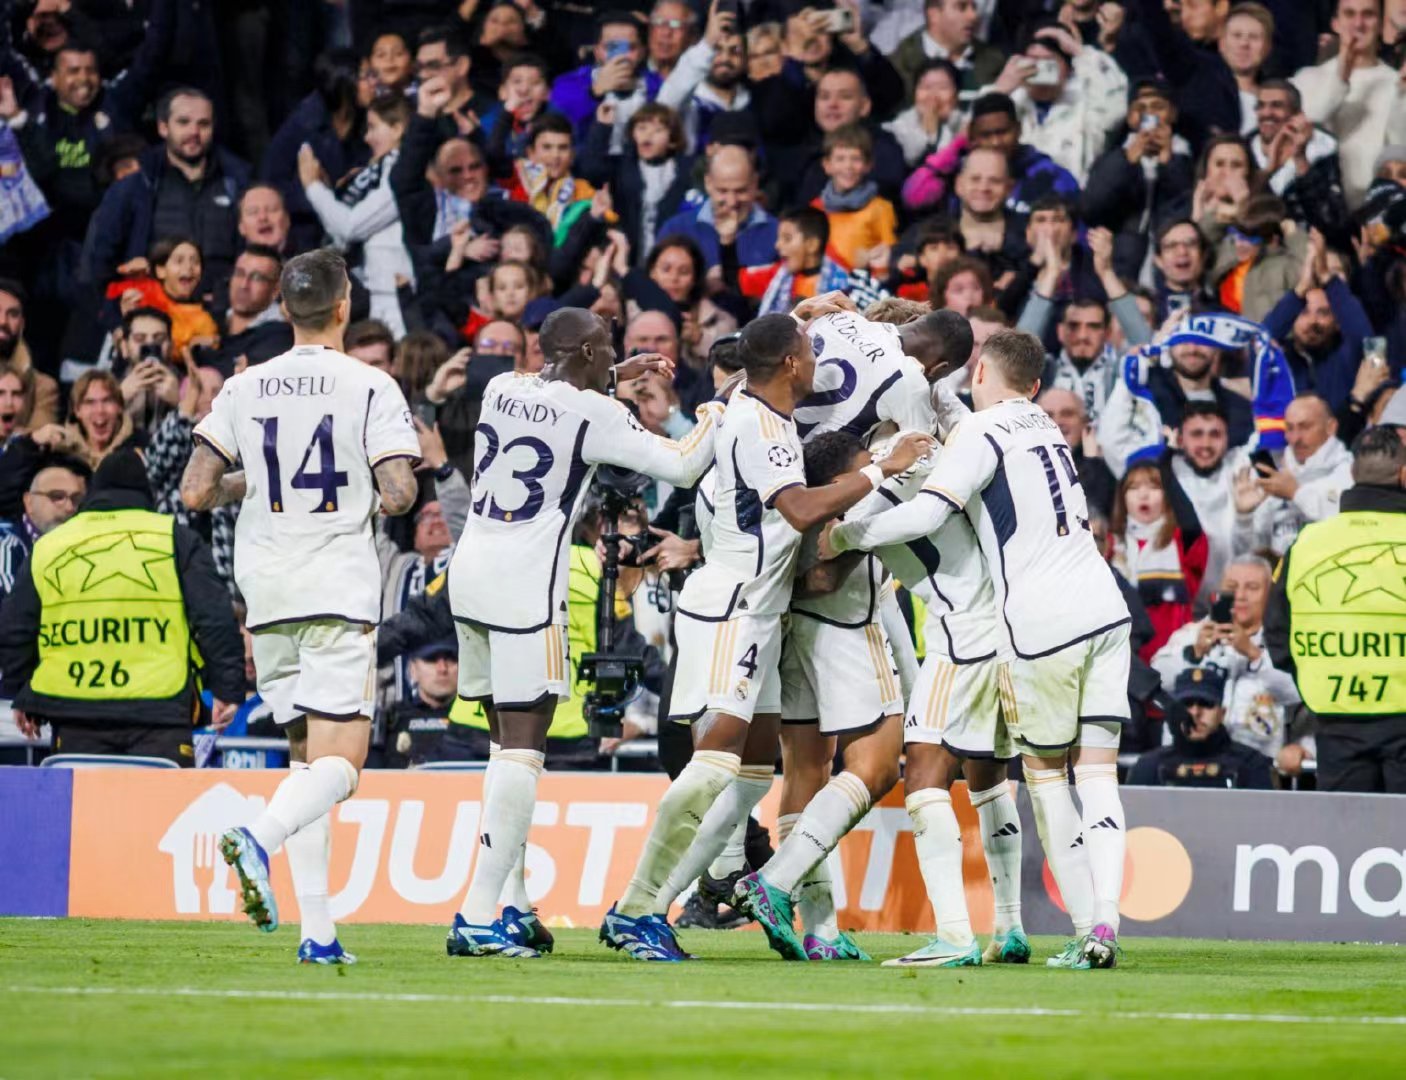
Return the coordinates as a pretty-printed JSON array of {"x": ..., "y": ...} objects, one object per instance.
[
  {"x": 780, "y": 456},
  {"x": 817, "y": 344}
]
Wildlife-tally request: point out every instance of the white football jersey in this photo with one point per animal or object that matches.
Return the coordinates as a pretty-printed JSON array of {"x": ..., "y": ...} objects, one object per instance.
[
  {"x": 862, "y": 378},
  {"x": 1012, "y": 472},
  {"x": 308, "y": 427},
  {"x": 751, "y": 548},
  {"x": 536, "y": 448},
  {"x": 855, "y": 602},
  {"x": 947, "y": 571}
]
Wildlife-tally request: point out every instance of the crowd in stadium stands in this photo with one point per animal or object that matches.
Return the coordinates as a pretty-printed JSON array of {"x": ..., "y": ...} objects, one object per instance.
[{"x": 1089, "y": 170}]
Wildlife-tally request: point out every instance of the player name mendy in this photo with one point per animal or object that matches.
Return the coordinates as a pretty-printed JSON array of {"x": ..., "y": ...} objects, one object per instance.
[{"x": 534, "y": 412}]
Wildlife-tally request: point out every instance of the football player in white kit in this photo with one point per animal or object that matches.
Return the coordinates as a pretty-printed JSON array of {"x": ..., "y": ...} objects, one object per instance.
[
  {"x": 538, "y": 442},
  {"x": 1009, "y": 469},
  {"x": 729, "y": 622},
  {"x": 318, "y": 435},
  {"x": 867, "y": 374}
]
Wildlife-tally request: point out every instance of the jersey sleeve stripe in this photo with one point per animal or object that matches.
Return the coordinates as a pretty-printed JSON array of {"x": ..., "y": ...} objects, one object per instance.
[
  {"x": 770, "y": 497},
  {"x": 230, "y": 459},
  {"x": 945, "y": 496},
  {"x": 700, "y": 429},
  {"x": 391, "y": 455}
]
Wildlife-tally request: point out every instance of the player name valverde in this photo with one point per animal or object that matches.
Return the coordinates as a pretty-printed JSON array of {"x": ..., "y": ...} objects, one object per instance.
[
  {"x": 1025, "y": 423},
  {"x": 133, "y": 630},
  {"x": 297, "y": 386},
  {"x": 534, "y": 412}
]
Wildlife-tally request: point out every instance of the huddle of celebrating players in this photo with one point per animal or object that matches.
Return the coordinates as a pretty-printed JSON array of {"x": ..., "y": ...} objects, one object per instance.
[{"x": 837, "y": 460}]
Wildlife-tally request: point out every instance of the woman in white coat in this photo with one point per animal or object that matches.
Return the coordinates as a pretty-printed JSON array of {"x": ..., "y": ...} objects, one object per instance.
[{"x": 361, "y": 212}]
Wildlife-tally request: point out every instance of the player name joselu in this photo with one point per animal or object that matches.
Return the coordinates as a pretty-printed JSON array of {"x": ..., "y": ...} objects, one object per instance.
[
  {"x": 535, "y": 412},
  {"x": 297, "y": 386}
]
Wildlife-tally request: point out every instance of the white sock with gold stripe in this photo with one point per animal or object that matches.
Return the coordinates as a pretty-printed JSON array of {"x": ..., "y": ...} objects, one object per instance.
[
  {"x": 938, "y": 839},
  {"x": 682, "y": 809},
  {"x": 833, "y": 812},
  {"x": 720, "y": 823}
]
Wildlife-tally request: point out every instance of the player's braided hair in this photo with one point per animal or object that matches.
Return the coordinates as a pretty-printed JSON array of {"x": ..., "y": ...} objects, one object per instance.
[{"x": 830, "y": 455}]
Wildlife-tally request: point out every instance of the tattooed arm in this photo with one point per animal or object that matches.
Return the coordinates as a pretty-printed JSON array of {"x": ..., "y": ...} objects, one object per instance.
[
  {"x": 395, "y": 478},
  {"x": 205, "y": 484}
]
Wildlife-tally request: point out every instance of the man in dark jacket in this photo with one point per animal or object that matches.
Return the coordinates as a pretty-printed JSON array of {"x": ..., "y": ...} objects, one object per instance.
[
  {"x": 185, "y": 187},
  {"x": 1321, "y": 326},
  {"x": 64, "y": 122},
  {"x": 97, "y": 638},
  {"x": 1202, "y": 753},
  {"x": 1143, "y": 183}
]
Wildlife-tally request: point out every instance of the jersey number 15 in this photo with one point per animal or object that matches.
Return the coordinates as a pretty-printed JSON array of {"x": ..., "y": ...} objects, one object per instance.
[{"x": 327, "y": 481}]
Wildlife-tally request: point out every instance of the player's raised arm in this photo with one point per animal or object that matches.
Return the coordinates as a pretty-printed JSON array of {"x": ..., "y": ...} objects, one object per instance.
[
  {"x": 615, "y": 437},
  {"x": 804, "y": 508},
  {"x": 395, "y": 480},
  {"x": 963, "y": 469}
]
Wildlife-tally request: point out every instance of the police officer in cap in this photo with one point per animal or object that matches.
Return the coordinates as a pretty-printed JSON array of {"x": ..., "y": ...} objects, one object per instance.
[
  {"x": 1337, "y": 620},
  {"x": 1202, "y": 753},
  {"x": 110, "y": 621}
]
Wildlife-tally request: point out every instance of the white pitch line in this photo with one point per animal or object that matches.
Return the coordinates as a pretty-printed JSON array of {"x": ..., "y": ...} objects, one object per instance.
[{"x": 892, "y": 1009}]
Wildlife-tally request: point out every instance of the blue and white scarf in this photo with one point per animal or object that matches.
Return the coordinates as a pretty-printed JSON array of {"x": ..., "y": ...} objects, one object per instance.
[{"x": 1273, "y": 383}]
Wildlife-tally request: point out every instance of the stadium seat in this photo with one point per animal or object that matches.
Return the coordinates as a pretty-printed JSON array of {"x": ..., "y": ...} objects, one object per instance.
[{"x": 105, "y": 761}]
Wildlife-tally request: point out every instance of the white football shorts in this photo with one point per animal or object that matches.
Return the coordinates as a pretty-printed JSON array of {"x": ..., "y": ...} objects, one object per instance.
[
  {"x": 323, "y": 667},
  {"x": 843, "y": 676},
  {"x": 1085, "y": 683},
  {"x": 518, "y": 672},
  {"x": 960, "y": 706},
  {"x": 728, "y": 667}
]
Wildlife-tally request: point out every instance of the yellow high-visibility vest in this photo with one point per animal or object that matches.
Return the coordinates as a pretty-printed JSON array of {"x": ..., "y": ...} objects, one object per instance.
[
  {"x": 1347, "y": 602},
  {"x": 113, "y": 621},
  {"x": 583, "y": 591}
]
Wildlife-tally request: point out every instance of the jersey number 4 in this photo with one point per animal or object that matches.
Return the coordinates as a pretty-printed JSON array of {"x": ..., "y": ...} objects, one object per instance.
[
  {"x": 327, "y": 481},
  {"x": 1056, "y": 489}
]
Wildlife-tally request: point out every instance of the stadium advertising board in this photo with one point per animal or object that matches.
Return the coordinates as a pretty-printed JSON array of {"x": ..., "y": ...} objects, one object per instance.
[{"x": 1200, "y": 863}]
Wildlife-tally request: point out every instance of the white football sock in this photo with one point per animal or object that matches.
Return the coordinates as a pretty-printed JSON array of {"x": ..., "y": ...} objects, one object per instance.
[
  {"x": 1057, "y": 822},
  {"x": 836, "y": 808},
  {"x": 503, "y": 827},
  {"x": 816, "y": 892},
  {"x": 515, "y": 888},
  {"x": 720, "y": 824},
  {"x": 1105, "y": 837},
  {"x": 309, "y": 851},
  {"x": 304, "y": 796},
  {"x": 938, "y": 839},
  {"x": 681, "y": 811},
  {"x": 733, "y": 856},
  {"x": 1000, "y": 839}
]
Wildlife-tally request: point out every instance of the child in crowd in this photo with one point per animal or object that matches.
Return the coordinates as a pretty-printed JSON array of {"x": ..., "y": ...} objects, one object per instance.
[
  {"x": 863, "y": 225},
  {"x": 177, "y": 266},
  {"x": 802, "y": 268},
  {"x": 1158, "y": 546},
  {"x": 962, "y": 283},
  {"x": 526, "y": 86},
  {"x": 938, "y": 242},
  {"x": 543, "y": 178}
]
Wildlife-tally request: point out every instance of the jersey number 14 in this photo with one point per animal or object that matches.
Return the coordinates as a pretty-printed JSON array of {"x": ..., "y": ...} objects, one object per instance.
[{"x": 327, "y": 481}]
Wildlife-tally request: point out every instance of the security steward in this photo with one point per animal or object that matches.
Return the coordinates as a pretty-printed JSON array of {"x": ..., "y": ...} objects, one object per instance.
[
  {"x": 110, "y": 621},
  {"x": 1337, "y": 620}
]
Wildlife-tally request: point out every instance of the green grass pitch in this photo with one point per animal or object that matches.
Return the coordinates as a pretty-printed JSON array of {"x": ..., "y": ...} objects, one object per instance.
[{"x": 110, "y": 999}]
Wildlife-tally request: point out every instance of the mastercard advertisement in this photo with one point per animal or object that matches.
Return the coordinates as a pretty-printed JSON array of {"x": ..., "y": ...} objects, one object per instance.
[{"x": 1200, "y": 863}]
